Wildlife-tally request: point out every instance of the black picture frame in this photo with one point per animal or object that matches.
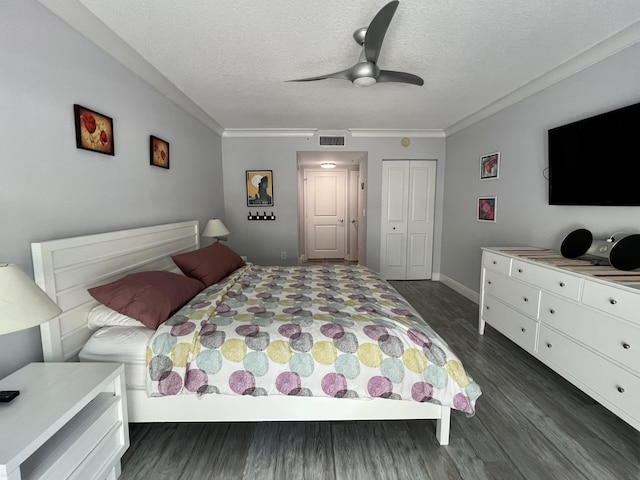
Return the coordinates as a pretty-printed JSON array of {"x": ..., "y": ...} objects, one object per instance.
[
  {"x": 94, "y": 131},
  {"x": 259, "y": 184},
  {"x": 158, "y": 152}
]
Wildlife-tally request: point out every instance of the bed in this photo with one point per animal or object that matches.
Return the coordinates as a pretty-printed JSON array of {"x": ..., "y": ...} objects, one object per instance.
[{"x": 288, "y": 300}]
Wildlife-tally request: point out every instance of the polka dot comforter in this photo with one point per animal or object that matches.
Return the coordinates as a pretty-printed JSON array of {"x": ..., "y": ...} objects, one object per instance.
[{"x": 337, "y": 331}]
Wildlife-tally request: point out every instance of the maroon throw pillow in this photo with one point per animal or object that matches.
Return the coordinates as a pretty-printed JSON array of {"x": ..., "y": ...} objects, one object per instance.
[
  {"x": 149, "y": 297},
  {"x": 209, "y": 264}
]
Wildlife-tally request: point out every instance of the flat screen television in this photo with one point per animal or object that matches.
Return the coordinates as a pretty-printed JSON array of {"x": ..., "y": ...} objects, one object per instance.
[{"x": 596, "y": 161}]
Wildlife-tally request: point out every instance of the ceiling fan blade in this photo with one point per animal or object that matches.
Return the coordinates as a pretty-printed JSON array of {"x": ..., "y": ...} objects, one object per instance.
[
  {"x": 402, "y": 77},
  {"x": 344, "y": 74},
  {"x": 377, "y": 30}
]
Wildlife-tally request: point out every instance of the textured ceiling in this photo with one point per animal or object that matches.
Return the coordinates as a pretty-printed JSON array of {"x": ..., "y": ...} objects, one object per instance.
[{"x": 232, "y": 58}]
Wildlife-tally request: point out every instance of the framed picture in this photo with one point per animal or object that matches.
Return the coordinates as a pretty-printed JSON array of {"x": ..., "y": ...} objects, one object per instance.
[
  {"x": 259, "y": 188},
  {"x": 490, "y": 166},
  {"x": 94, "y": 131},
  {"x": 487, "y": 208},
  {"x": 158, "y": 152}
]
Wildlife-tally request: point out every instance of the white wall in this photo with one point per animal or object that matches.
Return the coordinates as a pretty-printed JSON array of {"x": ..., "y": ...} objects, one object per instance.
[
  {"x": 520, "y": 134},
  {"x": 49, "y": 188},
  {"x": 262, "y": 241}
]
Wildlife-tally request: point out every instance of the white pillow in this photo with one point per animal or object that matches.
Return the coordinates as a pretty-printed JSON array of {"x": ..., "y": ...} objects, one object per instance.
[{"x": 102, "y": 316}]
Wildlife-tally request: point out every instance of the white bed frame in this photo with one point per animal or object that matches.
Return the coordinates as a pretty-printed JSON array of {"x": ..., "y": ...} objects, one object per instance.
[{"x": 66, "y": 268}]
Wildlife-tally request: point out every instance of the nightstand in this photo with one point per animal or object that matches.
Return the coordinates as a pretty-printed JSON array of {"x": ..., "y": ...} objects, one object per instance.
[{"x": 69, "y": 421}]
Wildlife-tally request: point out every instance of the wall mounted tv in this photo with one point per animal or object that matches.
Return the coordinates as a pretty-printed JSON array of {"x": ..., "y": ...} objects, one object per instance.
[{"x": 596, "y": 161}]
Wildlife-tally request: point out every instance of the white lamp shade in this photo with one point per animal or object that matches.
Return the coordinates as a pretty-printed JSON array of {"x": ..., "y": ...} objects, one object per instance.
[
  {"x": 22, "y": 303},
  {"x": 215, "y": 228}
]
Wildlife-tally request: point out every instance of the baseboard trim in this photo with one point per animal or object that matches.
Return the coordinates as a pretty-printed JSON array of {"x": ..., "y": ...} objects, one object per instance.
[{"x": 461, "y": 289}]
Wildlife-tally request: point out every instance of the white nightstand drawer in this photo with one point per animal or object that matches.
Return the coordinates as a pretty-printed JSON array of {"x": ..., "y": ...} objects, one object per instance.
[
  {"x": 496, "y": 262},
  {"x": 617, "y": 302},
  {"x": 558, "y": 282},
  {"x": 614, "y": 338},
  {"x": 519, "y": 295},
  {"x": 514, "y": 325},
  {"x": 603, "y": 379}
]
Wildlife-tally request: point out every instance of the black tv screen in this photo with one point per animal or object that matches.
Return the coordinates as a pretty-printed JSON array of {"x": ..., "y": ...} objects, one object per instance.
[{"x": 596, "y": 161}]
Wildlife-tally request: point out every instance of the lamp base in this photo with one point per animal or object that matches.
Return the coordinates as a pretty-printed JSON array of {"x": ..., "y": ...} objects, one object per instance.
[{"x": 8, "y": 395}]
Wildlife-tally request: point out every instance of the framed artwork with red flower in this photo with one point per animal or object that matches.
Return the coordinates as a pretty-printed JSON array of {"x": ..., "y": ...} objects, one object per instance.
[
  {"x": 158, "y": 152},
  {"x": 94, "y": 131},
  {"x": 490, "y": 166},
  {"x": 487, "y": 209}
]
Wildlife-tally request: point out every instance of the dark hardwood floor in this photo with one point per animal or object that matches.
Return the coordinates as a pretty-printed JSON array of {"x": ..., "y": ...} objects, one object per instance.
[{"x": 530, "y": 424}]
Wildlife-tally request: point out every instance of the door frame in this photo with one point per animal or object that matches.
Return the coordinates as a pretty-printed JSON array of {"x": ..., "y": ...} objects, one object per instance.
[{"x": 353, "y": 160}]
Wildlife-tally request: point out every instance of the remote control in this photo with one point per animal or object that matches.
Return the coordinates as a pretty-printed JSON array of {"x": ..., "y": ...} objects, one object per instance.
[{"x": 8, "y": 395}]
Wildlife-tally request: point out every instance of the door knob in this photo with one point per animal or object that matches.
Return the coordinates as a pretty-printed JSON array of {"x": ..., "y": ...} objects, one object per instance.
[{"x": 341, "y": 220}]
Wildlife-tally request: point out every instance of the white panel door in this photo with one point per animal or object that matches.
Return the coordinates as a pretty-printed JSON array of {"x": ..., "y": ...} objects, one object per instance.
[
  {"x": 326, "y": 213},
  {"x": 422, "y": 178},
  {"x": 408, "y": 194},
  {"x": 395, "y": 199}
]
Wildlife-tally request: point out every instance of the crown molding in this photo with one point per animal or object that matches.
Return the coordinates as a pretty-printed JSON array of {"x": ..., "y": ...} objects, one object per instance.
[
  {"x": 268, "y": 132},
  {"x": 81, "y": 19},
  {"x": 390, "y": 133},
  {"x": 608, "y": 47}
]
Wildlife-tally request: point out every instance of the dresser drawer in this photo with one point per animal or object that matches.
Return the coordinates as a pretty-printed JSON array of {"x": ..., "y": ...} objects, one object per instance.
[
  {"x": 519, "y": 295},
  {"x": 512, "y": 324},
  {"x": 554, "y": 281},
  {"x": 613, "y": 300},
  {"x": 614, "y": 338},
  {"x": 616, "y": 386},
  {"x": 498, "y": 263}
]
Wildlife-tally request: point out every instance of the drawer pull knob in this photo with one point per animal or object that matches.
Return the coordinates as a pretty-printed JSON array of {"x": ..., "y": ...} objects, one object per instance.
[
  {"x": 525, "y": 299},
  {"x": 613, "y": 301},
  {"x": 562, "y": 284},
  {"x": 620, "y": 389},
  {"x": 552, "y": 311},
  {"x": 519, "y": 270},
  {"x": 626, "y": 346},
  {"x": 523, "y": 329},
  {"x": 549, "y": 345},
  {"x": 487, "y": 307},
  {"x": 494, "y": 262},
  {"x": 489, "y": 282}
]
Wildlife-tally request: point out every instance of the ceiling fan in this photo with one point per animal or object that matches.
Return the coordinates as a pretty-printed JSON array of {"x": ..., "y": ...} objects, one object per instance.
[{"x": 366, "y": 71}]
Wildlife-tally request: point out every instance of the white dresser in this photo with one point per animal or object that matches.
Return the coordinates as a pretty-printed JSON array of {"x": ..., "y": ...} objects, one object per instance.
[{"x": 581, "y": 320}]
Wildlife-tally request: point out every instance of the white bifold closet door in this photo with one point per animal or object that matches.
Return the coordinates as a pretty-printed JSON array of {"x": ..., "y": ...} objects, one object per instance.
[{"x": 408, "y": 196}]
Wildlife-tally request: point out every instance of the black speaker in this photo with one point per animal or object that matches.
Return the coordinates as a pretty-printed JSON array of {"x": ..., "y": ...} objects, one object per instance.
[
  {"x": 625, "y": 253},
  {"x": 577, "y": 243}
]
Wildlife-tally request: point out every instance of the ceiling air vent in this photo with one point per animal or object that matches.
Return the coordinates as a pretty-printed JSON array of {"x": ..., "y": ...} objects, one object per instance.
[{"x": 332, "y": 140}]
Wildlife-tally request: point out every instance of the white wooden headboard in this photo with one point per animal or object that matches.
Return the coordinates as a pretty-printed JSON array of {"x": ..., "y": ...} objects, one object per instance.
[{"x": 66, "y": 268}]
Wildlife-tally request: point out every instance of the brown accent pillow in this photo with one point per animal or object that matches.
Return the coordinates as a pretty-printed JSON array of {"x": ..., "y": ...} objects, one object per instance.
[
  {"x": 149, "y": 297},
  {"x": 209, "y": 264}
]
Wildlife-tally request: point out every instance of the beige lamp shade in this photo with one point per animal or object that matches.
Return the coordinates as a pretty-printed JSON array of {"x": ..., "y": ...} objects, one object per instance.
[
  {"x": 22, "y": 303},
  {"x": 215, "y": 228}
]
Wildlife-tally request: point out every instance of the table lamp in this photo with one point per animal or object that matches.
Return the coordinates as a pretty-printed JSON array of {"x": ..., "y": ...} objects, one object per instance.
[
  {"x": 22, "y": 305},
  {"x": 216, "y": 229}
]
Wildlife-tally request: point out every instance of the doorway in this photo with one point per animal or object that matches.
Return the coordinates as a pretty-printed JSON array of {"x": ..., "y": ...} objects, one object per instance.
[{"x": 332, "y": 207}]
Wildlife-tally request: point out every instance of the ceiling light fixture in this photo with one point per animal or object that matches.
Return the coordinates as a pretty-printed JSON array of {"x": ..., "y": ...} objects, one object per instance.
[{"x": 328, "y": 165}]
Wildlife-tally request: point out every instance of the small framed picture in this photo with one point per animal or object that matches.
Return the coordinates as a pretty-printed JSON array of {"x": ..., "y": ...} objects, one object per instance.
[
  {"x": 158, "y": 152},
  {"x": 490, "y": 166},
  {"x": 259, "y": 188},
  {"x": 94, "y": 131},
  {"x": 487, "y": 208}
]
